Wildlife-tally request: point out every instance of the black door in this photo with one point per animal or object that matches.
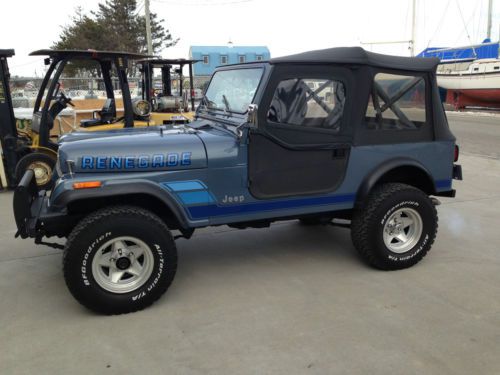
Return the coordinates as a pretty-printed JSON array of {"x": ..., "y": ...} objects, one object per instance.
[{"x": 303, "y": 140}]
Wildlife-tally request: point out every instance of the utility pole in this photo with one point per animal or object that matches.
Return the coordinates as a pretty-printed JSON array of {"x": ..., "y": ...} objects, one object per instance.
[
  {"x": 490, "y": 17},
  {"x": 414, "y": 28},
  {"x": 148, "y": 27}
]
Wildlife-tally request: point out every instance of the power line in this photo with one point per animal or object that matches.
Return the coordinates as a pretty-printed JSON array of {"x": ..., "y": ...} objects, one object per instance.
[
  {"x": 38, "y": 61},
  {"x": 202, "y": 3}
]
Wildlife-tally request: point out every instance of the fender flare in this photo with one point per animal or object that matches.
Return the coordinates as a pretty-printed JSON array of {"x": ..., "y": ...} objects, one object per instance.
[
  {"x": 374, "y": 176},
  {"x": 124, "y": 188},
  {"x": 44, "y": 150}
]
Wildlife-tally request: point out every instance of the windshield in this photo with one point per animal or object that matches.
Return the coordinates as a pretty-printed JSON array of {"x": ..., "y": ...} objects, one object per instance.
[{"x": 233, "y": 90}]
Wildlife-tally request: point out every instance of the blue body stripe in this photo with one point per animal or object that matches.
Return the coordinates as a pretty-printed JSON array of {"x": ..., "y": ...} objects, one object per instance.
[
  {"x": 184, "y": 185},
  {"x": 443, "y": 184},
  {"x": 195, "y": 197},
  {"x": 211, "y": 210}
]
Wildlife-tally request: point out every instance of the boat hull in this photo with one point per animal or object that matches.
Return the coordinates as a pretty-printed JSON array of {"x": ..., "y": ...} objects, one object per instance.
[
  {"x": 486, "y": 81},
  {"x": 474, "y": 98}
]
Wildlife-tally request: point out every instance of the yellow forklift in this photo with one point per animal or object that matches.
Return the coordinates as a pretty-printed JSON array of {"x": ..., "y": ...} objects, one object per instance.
[
  {"x": 9, "y": 136},
  {"x": 167, "y": 106},
  {"x": 37, "y": 149}
]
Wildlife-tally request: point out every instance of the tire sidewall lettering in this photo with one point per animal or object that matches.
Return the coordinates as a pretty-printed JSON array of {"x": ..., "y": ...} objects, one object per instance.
[
  {"x": 85, "y": 264},
  {"x": 146, "y": 288}
]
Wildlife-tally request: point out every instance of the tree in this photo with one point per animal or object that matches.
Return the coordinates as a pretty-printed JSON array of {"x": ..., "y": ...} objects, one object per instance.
[{"x": 115, "y": 26}]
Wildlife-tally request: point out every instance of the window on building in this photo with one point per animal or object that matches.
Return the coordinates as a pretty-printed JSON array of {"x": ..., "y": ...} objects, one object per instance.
[
  {"x": 308, "y": 102},
  {"x": 241, "y": 59},
  {"x": 223, "y": 59},
  {"x": 206, "y": 60},
  {"x": 397, "y": 102},
  {"x": 259, "y": 58}
]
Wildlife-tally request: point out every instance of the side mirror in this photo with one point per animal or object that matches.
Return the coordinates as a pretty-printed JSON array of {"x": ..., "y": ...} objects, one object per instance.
[{"x": 252, "y": 115}]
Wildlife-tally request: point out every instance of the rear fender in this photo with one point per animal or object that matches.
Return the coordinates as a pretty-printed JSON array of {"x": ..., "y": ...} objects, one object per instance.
[{"x": 381, "y": 171}]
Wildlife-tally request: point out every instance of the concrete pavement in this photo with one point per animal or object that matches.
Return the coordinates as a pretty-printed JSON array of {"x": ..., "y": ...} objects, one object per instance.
[{"x": 284, "y": 300}]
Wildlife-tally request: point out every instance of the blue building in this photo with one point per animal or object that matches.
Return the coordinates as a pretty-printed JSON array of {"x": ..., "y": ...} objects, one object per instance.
[{"x": 214, "y": 56}]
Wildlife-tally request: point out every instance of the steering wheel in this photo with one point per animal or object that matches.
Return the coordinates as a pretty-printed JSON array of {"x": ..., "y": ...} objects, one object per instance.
[{"x": 63, "y": 99}]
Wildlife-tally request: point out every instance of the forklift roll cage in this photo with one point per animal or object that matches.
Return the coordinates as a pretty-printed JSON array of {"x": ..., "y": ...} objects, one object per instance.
[
  {"x": 8, "y": 129},
  {"x": 147, "y": 69},
  {"x": 106, "y": 60}
]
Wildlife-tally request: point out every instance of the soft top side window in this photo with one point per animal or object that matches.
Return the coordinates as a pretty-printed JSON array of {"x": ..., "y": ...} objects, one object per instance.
[
  {"x": 397, "y": 102},
  {"x": 308, "y": 102}
]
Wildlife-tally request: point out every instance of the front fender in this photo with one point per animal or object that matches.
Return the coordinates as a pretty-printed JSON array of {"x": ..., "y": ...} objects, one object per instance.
[{"x": 67, "y": 195}]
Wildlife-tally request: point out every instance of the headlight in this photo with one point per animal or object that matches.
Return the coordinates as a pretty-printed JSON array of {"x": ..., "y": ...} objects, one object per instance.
[{"x": 141, "y": 107}]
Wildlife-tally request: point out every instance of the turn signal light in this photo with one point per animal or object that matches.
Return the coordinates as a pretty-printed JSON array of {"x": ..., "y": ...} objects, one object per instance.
[{"x": 87, "y": 185}]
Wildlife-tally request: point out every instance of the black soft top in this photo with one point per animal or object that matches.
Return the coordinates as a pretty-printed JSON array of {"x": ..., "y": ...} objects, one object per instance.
[
  {"x": 87, "y": 54},
  {"x": 357, "y": 55}
]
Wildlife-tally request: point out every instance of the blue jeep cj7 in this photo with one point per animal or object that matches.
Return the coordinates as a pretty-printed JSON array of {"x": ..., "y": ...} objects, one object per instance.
[{"x": 332, "y": 136}]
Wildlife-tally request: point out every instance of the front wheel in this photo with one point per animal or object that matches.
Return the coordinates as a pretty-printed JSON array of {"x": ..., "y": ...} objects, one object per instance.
[
  {"x": 396, "y": 227},
  {"x": 119, "y": 260}
]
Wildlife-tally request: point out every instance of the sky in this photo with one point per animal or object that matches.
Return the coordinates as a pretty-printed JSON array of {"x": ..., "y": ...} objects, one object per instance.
[{"x": 285, "y": 26}]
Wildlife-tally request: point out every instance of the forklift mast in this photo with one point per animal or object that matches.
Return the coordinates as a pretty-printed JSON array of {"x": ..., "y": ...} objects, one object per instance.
[{"x": 8, "y": 130}]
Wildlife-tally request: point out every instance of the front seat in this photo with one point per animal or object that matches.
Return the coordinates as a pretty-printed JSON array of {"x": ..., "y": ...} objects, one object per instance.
[{"x": 107, "y": 115}]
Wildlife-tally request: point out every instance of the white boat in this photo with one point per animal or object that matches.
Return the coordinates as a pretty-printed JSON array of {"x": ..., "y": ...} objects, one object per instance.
[{"x": 473, "y": 83}]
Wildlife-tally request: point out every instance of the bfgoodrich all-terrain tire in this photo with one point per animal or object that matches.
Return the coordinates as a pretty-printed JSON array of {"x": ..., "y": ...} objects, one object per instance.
[
  {"x": 119, "y": 259},
  {"x": 396, "y": 227}
]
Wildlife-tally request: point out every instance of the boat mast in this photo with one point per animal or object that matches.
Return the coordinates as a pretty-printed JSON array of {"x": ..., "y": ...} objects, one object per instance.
[
  {"x": 414, "y": 27},
  {"x": 490, "y": 16}
]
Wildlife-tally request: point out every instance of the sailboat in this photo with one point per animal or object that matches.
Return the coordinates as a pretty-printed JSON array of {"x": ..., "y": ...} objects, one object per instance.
[{"x": 470, "y": 74}]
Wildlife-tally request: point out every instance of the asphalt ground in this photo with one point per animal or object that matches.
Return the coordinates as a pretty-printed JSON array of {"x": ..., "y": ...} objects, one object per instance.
[{"x": 284, "y": 300}]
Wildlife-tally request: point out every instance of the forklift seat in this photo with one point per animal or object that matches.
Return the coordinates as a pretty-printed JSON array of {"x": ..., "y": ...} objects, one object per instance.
[{"x": 107, "y": 115}]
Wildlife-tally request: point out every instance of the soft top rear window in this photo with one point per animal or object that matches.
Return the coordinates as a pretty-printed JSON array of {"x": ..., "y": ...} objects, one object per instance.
[{"x": 397, "y": 102}]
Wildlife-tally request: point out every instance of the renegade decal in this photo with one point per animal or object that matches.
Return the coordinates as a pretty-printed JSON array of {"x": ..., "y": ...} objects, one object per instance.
[{"x": 172, "y": 159}]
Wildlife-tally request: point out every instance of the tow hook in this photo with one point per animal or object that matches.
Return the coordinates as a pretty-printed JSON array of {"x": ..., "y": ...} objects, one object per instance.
[{"x": 435, "y": 201}]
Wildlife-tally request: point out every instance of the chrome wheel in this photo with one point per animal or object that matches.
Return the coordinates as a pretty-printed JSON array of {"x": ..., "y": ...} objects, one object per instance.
[
  {"x": 42, "y": 172},
  {"x": 403, "y": 230},
  {"x": 122, "y": 264}
]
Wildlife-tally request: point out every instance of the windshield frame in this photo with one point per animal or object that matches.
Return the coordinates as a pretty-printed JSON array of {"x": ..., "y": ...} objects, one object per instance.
[{"x": 203, "y": 105}]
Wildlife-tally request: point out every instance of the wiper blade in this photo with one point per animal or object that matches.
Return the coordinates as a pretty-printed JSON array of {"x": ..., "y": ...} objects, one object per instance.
[
  {"x": 226, "y": 103},
  {"x": 214, "y": 123}
]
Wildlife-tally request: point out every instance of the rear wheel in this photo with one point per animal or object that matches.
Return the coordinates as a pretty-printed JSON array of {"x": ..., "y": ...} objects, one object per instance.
[
  {"x": 396, "y": 227},
  {"x": 119, "y": 260},
  {"x": 43, "y": 169}
]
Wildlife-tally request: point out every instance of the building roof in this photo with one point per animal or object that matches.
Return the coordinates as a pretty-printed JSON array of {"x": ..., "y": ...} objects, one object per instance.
[
  {"x": 357, "y": 55},
  {"x": 227, "y": 49},
  {"x": 87, "y": 54}
]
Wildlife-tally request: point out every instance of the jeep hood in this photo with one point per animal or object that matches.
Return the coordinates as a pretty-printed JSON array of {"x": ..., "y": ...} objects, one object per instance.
[{"x": 132, "y": 150}]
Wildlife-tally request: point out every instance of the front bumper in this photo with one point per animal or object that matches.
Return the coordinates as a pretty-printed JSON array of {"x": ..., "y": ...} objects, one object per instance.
[
  {"x": 32, "y": 212},
  {"x": 27, "y": 205}
]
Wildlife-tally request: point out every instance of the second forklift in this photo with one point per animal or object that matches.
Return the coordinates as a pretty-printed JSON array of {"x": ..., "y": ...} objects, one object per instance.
[{"x": 168, "y": 106}]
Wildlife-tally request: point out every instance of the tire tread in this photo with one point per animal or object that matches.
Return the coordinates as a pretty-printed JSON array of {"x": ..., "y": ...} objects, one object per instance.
[
  {"x": 121, "y": 210},
  {"x": 364, "y": 219}
]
